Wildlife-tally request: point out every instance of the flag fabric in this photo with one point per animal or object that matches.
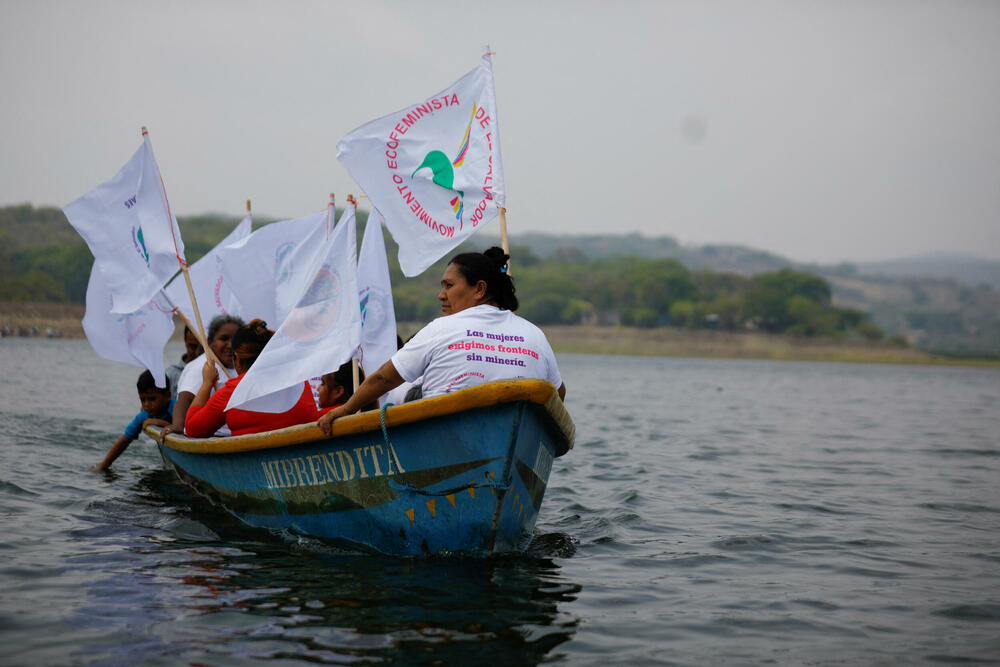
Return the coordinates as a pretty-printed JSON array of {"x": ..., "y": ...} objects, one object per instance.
[
  {"x": 128, "y": 225},
  {"x": 321, "y": 331},
  {"x": 136, "y": 338},
  {"x": 263, "y": 268},
  {"x": 378, "y": 318},
  {"x": 433, "y": 169},
  {"x": 211, "y": 290}
]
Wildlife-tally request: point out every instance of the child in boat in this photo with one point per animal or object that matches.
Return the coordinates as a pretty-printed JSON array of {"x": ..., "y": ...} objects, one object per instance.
[
  {"x": 208, "y": 411},
  {"x": 338, "y": 387},
  {"x": 192, "y": 350},
  {"x": 157, "y": 408}
]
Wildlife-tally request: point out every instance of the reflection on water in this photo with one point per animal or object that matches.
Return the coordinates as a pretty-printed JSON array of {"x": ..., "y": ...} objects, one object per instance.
[{"x": 213, "y": 581}]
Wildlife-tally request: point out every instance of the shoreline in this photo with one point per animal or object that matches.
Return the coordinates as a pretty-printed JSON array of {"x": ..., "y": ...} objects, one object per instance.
[
  {"x": 708, "y": 344},
  {"x": 60, "y": 320}
]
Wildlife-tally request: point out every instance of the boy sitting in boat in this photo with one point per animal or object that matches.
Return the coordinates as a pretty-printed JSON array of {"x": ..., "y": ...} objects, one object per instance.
[
  {"x": 157, "y": 409},
  {"x": 337, "y": 388}
]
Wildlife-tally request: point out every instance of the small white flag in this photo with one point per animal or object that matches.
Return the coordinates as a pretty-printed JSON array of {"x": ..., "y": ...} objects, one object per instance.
[
  {"x": 129, "y": 228},
  {"x": 433, "y": 169},
  {"x": 378, "y": 317},
  {"x": 262, "y": 268},
  {"x": 136, "y": 338},
  {"x": 322, "y": 330},
  {"x": 210, "y": 287}
]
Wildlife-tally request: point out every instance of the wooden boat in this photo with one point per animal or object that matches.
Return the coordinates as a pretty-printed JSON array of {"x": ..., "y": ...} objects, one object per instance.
[{"x": 464, "y": 472}]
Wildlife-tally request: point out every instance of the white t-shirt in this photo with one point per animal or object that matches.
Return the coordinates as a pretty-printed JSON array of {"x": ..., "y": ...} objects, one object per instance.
[
  {"x": 473, "y": 346},
  {"x": 190, "y": 380}
]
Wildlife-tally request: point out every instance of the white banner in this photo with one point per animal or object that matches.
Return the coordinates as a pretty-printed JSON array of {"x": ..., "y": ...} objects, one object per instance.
[
  {"x": 433, "y": 169},
  {"x": 265, "y": 266},
  {"x": 136, "y": 339},
  {"x": 378, "y": 317},
  {"x": 130, "y": 230},
  {"x": 210, "y": 287},
  {"x": 322, "y": 330}
]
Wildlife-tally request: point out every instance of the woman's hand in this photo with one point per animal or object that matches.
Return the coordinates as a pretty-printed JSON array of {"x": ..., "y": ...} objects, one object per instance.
[
  {"x": 209, "y": 373},
  {"x": 325, "y": 422}
]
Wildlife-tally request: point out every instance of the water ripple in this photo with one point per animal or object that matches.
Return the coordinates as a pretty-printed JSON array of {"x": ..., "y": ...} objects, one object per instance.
[{"x": 807, "y": 514}]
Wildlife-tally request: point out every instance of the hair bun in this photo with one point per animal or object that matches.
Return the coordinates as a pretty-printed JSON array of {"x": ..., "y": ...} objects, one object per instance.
[
  {"x": 497, "y": 256},
  {"x": 259, "y": 327}
]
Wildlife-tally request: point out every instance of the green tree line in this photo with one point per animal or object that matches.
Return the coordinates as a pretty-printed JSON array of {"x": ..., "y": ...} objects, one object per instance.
[
  {"x": 653, "y": 293},
  {"x": 43, "y": 259}
]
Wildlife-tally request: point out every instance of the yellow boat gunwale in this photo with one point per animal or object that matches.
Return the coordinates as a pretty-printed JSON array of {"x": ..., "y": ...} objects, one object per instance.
[{"x": 539, "y": 392}]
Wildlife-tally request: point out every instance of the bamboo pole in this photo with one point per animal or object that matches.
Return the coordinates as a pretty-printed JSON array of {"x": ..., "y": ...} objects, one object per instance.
[
  {"x": 201, "y": 329},
  {"x": 200, "y": 332},
  {"x": 503, "y": 235},
  {"x": 355, "y": 377},
  {"x": 196, "y": 329},
  {"x": 331, "y": 214}
]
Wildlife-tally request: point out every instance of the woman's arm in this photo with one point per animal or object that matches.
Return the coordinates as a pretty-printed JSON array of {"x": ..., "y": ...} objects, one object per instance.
[
  {"x": 209, "y": 376},
  {"x": 384, "y": 379},
  {"x": 203, "y": 420}
]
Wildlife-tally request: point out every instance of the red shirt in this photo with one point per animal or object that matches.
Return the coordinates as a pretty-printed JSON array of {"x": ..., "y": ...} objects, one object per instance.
[{"x": 202, "y": 421}]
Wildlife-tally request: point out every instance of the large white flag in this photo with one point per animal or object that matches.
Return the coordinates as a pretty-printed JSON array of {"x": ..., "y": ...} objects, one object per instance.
[
  {"x": 211, "y": 290},
  {"x": 265, "y": 269},
  {"x": 378, "y": 318},
  {"x": 131, "y": 231},
  {"x": 323, "y": 329},
  {"x": 433, "y": 169},
  {"x": 136, "y": 339}
]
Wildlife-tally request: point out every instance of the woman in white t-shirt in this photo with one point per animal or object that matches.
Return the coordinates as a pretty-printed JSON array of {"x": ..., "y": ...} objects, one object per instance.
[
  {"x": 220, "y": 335},
  {"x": 479, "y": 339}
]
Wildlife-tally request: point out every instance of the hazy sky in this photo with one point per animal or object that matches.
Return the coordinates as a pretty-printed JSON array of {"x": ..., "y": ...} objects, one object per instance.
[{"x": 823, "y": 131}]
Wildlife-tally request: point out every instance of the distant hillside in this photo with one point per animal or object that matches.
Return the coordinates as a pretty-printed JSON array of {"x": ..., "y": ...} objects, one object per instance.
[
  {"x": 962, "y": 268},
  {"x": 728, "y": 258},
  {"x": 931, "y": 313},
  {"x": 943, "y": 302},
  {"x": 952, "y": 306}
]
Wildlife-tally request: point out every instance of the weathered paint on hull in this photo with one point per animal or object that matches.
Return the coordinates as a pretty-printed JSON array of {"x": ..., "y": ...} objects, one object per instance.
[{"x": 471, "y": 481}]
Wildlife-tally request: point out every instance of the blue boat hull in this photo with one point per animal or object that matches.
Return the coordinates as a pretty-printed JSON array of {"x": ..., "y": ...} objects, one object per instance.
[{"x": 439, "y": 480}]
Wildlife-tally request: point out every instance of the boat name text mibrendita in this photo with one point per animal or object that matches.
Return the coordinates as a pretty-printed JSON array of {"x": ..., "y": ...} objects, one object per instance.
[{"x": 335, "y": 466}]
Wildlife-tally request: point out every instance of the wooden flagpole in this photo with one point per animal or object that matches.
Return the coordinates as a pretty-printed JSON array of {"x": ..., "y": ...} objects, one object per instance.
[
  {"x": 502, "y": 209},
  {"x": 355, "y": 376},
  {"x": 200, "y": 332},
  {"x": 503, "y": 235},
  {"x": 201, "y": 329}
]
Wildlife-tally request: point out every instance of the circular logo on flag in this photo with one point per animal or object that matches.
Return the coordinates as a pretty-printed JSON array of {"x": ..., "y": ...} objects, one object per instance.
[{"x": 317, "y": 311}]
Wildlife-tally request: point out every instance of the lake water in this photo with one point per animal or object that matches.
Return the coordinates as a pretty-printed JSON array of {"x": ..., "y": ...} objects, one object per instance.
[{"x": 712, "y": 512}]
